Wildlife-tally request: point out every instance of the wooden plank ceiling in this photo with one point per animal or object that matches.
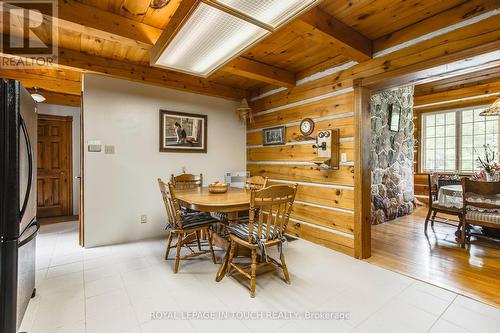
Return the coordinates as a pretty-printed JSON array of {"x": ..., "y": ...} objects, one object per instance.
[{"x": 115, "y": 37}]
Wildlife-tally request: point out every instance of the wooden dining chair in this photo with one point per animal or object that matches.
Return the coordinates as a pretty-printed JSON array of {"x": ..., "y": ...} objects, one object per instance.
[
  {"x": 255, "y": 183},
  {"x": 264, "y": 229},
  {"x": 187, "y": 228},
  {"x": 486, "y": 212},
  {"x": 187, "y": 180},
  {"x": 435, "y": 207}
]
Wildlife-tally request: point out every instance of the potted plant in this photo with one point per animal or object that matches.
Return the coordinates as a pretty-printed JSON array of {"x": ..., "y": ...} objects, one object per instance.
[{"x": 489, "y": 165}]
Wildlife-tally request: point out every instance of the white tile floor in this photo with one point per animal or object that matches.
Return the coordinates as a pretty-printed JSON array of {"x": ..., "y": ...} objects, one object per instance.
[{"x": 116, "y": 288}]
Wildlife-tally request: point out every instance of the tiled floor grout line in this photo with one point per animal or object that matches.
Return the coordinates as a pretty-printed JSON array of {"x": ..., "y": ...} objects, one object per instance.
[
  {"x": 84, "y": 293},
  {"x": 442, "y": 313},
  {"x": 130, "y": 301}
]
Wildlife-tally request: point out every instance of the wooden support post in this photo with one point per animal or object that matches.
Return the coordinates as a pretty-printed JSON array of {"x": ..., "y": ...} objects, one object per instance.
[{"x": 362, "y": 172}]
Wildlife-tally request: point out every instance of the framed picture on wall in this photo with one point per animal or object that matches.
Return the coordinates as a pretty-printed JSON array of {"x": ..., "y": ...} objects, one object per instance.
[
  {"x": 273, "y": 136},
  {"x": 394, "y": 115},
  {"x": 183, "y": 132}
]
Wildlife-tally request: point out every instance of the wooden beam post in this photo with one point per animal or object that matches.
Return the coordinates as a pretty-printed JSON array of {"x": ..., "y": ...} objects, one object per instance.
[
  {"x": 84, "y": 62},
  {"x": 261, "y": 72},
  {"x": 43, "y": 80},
  {"x": 89, "y": 20},
  {"x": 352, "y": 43},
  {"x": 59, "y": 99},
  {"x": 362, "y": 171}
]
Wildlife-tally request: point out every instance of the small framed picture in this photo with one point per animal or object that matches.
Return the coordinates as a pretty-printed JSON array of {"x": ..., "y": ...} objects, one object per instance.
[
  {"x": 273, "y": 136},
  {"x": 183, "y": 132},
  {"x": 394, "y": 115}
]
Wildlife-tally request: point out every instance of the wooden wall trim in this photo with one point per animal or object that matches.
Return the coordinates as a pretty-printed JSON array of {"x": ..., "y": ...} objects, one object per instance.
[
  {"x": 267, "y": 93},
  {"x": 59, "y": 99},
  {"x": 321, "y": 236},
  {"x": 350, "y": 188},
  {"x": 362, "y": 172},
  {"x": 305, "y": 101},
  {"x": 474, "y": 11},
  {"x": 326, "y": 72},
  {"x": 458, "y": 100},
  {"x": 457, "y": 105},
  {"x": 315, "y": 119}
]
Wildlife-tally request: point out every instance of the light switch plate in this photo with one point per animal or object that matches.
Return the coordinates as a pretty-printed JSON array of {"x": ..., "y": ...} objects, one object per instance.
[
  {"x": 109, "y": 149},
  {"x": 94, "y": 146},
  {"x": 343, "y": 157}
]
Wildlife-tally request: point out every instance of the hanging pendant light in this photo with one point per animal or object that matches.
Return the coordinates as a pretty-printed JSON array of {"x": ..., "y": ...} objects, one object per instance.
[{"x": 493, "y": 109}]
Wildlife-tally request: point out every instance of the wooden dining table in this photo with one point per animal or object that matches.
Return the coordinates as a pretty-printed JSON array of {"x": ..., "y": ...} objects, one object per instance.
[{"x": 231, "y": 202}]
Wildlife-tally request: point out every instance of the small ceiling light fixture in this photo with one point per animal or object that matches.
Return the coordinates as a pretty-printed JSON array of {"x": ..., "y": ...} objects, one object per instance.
[
  {"x": 37, "y": 97},
  {"x": 493, "y": 109},
  {"x": 203, "y": 35},
  {"x": 158, "y": 4}
]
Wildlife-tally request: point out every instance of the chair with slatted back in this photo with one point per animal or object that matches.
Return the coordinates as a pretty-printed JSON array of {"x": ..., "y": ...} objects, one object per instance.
[
  {"x": 435, "y": 208},
  {"x": 255, "y": 183},
  {"x": 186, "y": 227},
  {"x": 269, "y": 212},
  {"x": 187, "y": 180},
  {"x": 481, "y": 207}
]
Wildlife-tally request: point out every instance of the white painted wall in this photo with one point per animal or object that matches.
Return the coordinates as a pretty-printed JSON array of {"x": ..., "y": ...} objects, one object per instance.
[
  {"x": 121, "y": 187},
  {"x": 59, "y": 110}
]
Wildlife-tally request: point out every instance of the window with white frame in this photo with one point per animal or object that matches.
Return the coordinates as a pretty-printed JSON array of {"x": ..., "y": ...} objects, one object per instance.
[{"x": 452, "y": 140}]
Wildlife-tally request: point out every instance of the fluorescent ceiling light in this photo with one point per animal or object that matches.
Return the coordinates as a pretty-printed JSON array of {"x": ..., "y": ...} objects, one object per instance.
[
  {"x": 209, "y": 38},
  {"x": 215, "y": 32},
  {"x": 271, "y": 12}
]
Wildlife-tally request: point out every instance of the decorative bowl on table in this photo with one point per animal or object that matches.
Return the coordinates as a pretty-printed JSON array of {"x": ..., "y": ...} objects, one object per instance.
[{"x": 218, "y": 187}]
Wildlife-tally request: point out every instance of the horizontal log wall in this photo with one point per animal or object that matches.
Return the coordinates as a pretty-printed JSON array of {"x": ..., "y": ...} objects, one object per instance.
[{"x": 324, "y": 208}]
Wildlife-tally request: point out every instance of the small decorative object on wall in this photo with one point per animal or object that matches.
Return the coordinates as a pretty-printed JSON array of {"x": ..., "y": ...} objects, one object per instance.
[
  {"x": 273, "y": 136},
  {"x": 327, "y": 149},
  {"x": 394, "y": 115},
  {"x": 183, "y": 132},
  {"x": 306, "y": 126},
  {"x": 245, "y": 112}
]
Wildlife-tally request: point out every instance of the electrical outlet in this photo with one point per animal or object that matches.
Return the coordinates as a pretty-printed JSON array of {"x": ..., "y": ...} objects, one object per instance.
[
  {"x": 343, "y": 157},
  {"x": 144, "y": 218}
]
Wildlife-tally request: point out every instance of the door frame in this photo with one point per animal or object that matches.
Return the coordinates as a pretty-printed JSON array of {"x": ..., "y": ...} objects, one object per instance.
[
  {"x": 69, "y": 151},
  {"x": 81, "y": 229}
]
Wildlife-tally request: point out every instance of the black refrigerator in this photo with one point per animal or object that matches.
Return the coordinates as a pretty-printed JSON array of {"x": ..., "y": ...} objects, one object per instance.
[{"x": 18, "y": 223}]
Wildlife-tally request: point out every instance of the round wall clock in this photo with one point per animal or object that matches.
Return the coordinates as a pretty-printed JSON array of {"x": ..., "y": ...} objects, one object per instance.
[{"x": 306, "y": 126}]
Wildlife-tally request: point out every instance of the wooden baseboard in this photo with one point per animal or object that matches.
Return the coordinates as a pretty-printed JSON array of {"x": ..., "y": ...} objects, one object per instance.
[{"x": 57, "y": 219}]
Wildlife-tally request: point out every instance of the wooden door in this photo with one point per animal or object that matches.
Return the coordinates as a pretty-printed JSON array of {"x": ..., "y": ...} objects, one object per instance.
[{"x": 54, "y": 166}]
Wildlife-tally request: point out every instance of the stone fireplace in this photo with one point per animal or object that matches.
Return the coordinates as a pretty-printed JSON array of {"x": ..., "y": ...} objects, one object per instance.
[{"x": 392, "y": 154}]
